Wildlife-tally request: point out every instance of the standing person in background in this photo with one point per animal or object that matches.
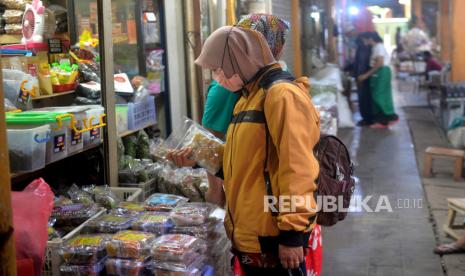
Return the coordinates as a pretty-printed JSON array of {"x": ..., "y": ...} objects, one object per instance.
[
  {"x": 380, "y": 82},
  {"x": 399, "y": 47},
  {"x": 362, "y": 66}
]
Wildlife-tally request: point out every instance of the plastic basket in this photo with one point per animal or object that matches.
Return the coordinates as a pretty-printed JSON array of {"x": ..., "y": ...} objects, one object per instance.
[
  {"x": 128, "y": 194},
  {"x": 142, "y": 113},
  {"x": 147, "y": 188},
  {"x": 52, "y": 255}
]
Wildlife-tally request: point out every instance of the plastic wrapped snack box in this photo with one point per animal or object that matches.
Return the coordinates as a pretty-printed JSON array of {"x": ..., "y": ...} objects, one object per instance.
[
  {"x": 153, "y": 222},
  {"x": 82, "y": 270},
  {"x": 205, "y": 231},
  {"x": 132, "y": 207},
  {"x": 176, "y": 269},
  {"x": 73, "y": 214},
  {"x": 207, "y": 150},
  {"x": 163, "y": 202},
  {"x": 85, "y": 249},
  {"x": 177, "y": 248},
  {"x": 191, "y": 214},
  {"x": 130, "y": 244},
  {"x": 113, "y": 223},
  {"x": 126, "y": 267}
]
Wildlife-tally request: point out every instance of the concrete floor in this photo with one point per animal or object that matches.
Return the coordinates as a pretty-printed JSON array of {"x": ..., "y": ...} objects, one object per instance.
[{"x": 384, "y": 243}]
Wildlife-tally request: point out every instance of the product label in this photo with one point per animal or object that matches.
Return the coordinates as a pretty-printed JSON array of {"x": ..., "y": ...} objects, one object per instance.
[
  {"x": 95, "y": 134},
  {"x": 76, "y": 138},
  {"x": 131, "y": 237},
  {"x": 86, "y": 241},
  {"x": 59, "y": 143},
  {"x": 154, "y": 218},
  {"x": 23, "y": 97},
  {"x": 32, "y": 69}
]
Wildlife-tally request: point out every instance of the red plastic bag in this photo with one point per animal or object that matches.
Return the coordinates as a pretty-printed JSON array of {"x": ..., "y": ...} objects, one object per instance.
[
  {"x": 31, "y": 211},
  {"x": 314, "y": 258}
]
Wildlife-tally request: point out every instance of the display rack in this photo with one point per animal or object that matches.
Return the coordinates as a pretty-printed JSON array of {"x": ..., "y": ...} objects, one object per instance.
[
  {"x": 10, "y": 39},
  {"x": 52, "y": 96},
  {"x": 23, "y": 174},
  {"x": 132, "y": 131}
]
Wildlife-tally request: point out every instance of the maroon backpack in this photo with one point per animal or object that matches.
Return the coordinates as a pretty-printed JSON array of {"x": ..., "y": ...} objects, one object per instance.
[
  {"x": 336, "y": 168},
  {"x": 335, "y": 178}
]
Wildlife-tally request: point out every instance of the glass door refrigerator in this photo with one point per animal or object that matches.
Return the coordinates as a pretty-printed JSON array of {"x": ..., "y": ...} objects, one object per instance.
[{"x": 139, "y": 47}]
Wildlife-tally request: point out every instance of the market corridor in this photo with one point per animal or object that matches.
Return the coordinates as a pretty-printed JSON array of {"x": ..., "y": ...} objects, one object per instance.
[{"x": 400, "y": 242}]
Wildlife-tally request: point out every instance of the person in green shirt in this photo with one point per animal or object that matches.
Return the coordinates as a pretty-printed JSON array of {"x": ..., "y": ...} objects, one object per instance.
[{"x": 220, "y": 102}]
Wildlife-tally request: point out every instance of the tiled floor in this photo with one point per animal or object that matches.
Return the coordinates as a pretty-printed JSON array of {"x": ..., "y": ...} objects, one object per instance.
[{"x": 384, "y": 243}]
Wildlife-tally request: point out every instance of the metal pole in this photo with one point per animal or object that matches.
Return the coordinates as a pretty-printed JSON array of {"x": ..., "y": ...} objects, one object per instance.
[
  {"x": 296, "y": 39},
  {"x": 230, "y": 12},
  {"x": 108, "y": 91},
  {"x": 7, "y": 245}
]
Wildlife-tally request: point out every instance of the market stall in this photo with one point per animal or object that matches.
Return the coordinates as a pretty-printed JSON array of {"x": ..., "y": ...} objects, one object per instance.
[{"x": 86, "y": 99}]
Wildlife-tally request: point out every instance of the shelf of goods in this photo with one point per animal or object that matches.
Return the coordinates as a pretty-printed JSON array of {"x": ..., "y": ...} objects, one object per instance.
[
  {"x": 52, "y": 95},
  {"x": 132, "y": 131},
  {"x": 10, "y": 39}
]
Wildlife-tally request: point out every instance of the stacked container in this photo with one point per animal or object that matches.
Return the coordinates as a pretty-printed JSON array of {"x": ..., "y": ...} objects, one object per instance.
[
  {"x": 92, "y": 117},
  {"x": 27, "y": 147},
  {"x": 59, "y": 123}
]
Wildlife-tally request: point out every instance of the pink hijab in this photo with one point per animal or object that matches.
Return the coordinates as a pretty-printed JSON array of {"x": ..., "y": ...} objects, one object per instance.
[{"x": 237, "y": 51}]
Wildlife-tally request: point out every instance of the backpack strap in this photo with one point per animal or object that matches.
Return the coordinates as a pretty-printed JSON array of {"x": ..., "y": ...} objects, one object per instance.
[{"x": 272, "y": 77}]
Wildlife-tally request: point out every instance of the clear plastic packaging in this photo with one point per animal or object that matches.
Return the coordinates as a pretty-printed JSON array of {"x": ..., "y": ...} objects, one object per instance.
[
  {"x": 79, "y": 196},
  {"x": 85, "y": 249},
  {"x": 82, "y": 270},
  {"x": 191, "y": 214},
  {"x": 204, "y": 232},
  {"x": 103, "y": 196},
  {"x": 178, "y": 248},
  {"x": 125, "y": 267},
  {"x": 13, "y": 16},
  {"x": 111, "y": 223},
  {"x": 132, "y": 207},
  {"x": 130, "y": 244},
  {"x": 195, "y": 268},
  {"x": 191, "y": 183},
  {"x": 163, "y": 202},
  {"x": 73, "y": 214},
  {"x": 153, "y": 222},
  {"x": 207, "y": 150}
]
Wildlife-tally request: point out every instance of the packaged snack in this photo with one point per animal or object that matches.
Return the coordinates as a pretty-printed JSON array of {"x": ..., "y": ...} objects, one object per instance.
[
  {"x": 82, "y": 270},
  {"x": 177, "y": 248},
  {"x": 163, "y": 202},
  {"x": 134, "y": 207},
  {"x": 130, "y": 244},
  {"x": 13, "y": 29},
  {"x": 130, "y": 145},
  {"x": 204, "y": 232},
  {"x": 73, "y": 214},
  {"x": 143, "y": 145},
  {"x": 85, "y": 249},
  {"x": 103, "y": 196},
  {"x": 195, "y": 268},
  {"x": 153, "y": 222},
  {"x": 79, "y": 196},
  {"x": 111, "y": 223},
  {"x": 13, "y": 16},
  {"x": 126, "y": 267},
  {"x": 15, "y": 4},
  {"x": 207, "y": 150},
  {"x": 191, "y": 214}
]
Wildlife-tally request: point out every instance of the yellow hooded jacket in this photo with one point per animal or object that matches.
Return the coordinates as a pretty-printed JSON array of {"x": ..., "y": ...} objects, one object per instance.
[{"x": 294, "y": 128}]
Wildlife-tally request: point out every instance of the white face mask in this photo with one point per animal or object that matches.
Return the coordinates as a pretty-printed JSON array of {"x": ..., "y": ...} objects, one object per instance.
[{"x": 232, "y": 84}]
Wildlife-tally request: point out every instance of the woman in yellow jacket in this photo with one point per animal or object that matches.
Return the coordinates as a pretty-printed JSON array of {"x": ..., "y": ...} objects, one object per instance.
[{"x": 266, "y": 243}]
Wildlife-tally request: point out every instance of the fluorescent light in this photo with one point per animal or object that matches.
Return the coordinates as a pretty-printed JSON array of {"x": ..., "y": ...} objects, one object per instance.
[
  {"x": 315, "y": 15},
  {"x": 353, "y": 10}
]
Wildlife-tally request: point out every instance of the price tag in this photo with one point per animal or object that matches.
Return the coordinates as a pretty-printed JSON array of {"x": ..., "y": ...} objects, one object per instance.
[{"x": 55, "y": 46}]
